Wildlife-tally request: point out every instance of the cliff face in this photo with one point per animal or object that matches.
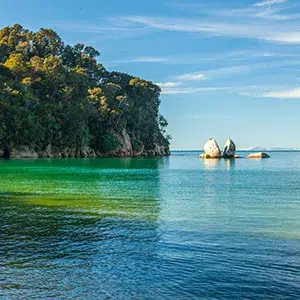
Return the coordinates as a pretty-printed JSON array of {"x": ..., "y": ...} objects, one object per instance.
[{"x": 124, "y": 149}]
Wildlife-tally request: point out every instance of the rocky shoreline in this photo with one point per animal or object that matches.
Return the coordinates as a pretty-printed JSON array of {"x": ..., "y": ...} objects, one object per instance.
[
  {"x": 124, "y": 150},
  {"x": 27, "y": 152}
]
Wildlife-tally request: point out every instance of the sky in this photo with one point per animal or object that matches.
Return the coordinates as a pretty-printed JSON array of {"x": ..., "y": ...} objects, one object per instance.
[{"x": 226, "y": 68}]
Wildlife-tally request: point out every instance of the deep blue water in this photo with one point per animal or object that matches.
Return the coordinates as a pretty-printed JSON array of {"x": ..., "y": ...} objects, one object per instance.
[{"x": 170, "y": 228}]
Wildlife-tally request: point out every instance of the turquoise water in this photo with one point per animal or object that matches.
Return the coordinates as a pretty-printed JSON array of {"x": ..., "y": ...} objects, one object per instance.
[{"x": 169, "y": 228}]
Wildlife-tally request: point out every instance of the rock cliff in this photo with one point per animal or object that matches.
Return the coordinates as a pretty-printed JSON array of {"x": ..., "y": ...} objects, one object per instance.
[{"x": 124, "y": 149}]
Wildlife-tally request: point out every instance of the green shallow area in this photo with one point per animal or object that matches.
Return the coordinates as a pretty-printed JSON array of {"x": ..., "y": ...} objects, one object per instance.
[{"x": 117, "y": 187}]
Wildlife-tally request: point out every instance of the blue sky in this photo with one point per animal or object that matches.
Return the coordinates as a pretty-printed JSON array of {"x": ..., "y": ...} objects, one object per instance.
[{"x": 226, "y": 68}]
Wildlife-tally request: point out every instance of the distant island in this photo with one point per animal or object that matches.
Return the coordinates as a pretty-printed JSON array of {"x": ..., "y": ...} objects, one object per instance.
[
  {"x": 56, "y": 100},
  {"x": 274, "y": 149}
]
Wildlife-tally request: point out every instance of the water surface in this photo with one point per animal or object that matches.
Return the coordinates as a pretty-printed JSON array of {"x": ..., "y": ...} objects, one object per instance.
[{"x": 168, "y": 228}]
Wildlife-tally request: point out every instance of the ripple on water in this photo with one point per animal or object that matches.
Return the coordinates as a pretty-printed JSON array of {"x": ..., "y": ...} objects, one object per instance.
[{"x": 150, "y": 229}]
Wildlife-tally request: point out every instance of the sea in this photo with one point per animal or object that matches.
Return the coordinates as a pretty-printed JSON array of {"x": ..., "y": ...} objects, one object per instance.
[{"x": 176, "y": 227}]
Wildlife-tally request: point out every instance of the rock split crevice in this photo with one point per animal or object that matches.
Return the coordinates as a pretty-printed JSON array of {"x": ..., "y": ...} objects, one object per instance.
[{"x": 212, "y": 150}]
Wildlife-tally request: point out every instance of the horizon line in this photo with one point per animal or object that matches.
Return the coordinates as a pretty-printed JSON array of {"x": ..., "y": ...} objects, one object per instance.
[{"x": 245, "y": 149}]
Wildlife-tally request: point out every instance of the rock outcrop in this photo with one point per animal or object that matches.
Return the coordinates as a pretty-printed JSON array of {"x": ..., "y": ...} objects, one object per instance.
[
  {"x": 125, "y": 149},
  {"x": 229, "y": 149},
  {"x": 211, "y": 148},
  {"x": 258, "y": 155},
  {"x": 23, "y": 152}
]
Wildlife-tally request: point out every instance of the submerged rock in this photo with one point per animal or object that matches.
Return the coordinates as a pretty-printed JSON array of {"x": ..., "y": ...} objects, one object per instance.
[
  {"x": 229, "y": 149},
  {"x": 211, "y": 148},
  {"x": 258, "y": 155},
  {"x": 204, "y": 155}
]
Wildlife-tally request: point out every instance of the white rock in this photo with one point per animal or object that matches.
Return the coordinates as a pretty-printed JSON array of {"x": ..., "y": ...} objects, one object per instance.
[
  {"x": 211, "y": 148},
  {"x": 258, "y": 155}
]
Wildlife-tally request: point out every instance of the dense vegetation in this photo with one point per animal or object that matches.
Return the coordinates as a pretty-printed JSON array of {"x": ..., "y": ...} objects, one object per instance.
[{"x": 56, "y": 99}]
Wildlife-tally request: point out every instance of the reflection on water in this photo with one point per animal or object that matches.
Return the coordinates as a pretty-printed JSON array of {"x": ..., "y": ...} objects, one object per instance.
[
  {"x": 215, "y": 163},
  {"x": 211, "y": 164},
  {"x": 229, "y": 163},
  {"x": 171, "y": 228}
]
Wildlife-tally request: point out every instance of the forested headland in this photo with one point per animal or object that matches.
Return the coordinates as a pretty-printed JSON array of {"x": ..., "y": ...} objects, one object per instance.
[{"x": 57, "y": 100}]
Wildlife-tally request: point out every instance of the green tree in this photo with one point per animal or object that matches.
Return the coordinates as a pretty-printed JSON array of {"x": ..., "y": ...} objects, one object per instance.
[{"x": 61, "y": 96}]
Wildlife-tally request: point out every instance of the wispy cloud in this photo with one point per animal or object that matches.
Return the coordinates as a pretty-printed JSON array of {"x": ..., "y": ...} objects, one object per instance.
[
  {"x": 168, "y": 84},
  {"x": 269, "y": 2},
  {"x": 193, "y": 90},
  {"x": 268, "y": 32},
  {"x": 233, "y": 22},
  {"x": 88, "y": 28},
  {"x": 260, "y": 10},
  {"x": 191, "y": 76},
  {"x": 263, "y": 13},
  {"x": 142, "y": 59},
  {"x": 213, "y": 73},
  {"x": 284, "y": 94},
  {"x": 257, "y": 91},
  {"x": 218, "y": 57},
  {"x": 104, "y": 29}
]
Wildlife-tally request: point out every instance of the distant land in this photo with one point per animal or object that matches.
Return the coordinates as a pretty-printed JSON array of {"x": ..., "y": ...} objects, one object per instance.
[
  {"x": 257, "y": 148},
  {"x": 250, "y": 149}
]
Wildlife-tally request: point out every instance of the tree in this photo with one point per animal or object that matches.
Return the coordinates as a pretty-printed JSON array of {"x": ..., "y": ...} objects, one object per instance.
[{"x": 61, "y": 96}]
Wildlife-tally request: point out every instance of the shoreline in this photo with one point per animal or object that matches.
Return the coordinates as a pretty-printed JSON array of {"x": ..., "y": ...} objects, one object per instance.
[
  {"x": 27, "y": 153},
  {"x": 82, "y": 158}
]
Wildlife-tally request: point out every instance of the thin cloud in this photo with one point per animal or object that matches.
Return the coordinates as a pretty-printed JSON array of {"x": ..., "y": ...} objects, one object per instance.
[
  {"x": 106, "y": 29},
  {"x": 168, "y": 84},
  {"x": 269, "y": 2},
  {"x": 193, "y": 90},
  {"x": 187, "y": 86},
  {"x": 264, "y": 31},
  {"x": 90, "y": 28},
  {"x": 229, "y": 70},
  {"x": 284, "y": 94},
  {"x": 290, "y": 37},
  {"x": 191, "y": 76},
  {"x": 260, "y": 10},
  {"x": 257, "y": 91},
  {"x": 212, "y": 73},
  {"x": 268, "y": 13},
  {"x": 142, "y": 59},
  {"x": 231, "y": 56}
]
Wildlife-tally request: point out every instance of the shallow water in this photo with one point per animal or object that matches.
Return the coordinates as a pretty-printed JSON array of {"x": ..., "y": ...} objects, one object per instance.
[{"x": 170, "y": 228}]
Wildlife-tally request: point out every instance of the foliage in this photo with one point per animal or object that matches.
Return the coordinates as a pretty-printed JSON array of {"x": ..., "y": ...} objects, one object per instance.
[
  {"x": 109, "y": 143},
  {"x": 60, "y": 95}
]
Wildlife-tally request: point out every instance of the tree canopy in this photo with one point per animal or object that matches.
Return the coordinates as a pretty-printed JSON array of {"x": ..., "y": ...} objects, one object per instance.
[{"x": 59, "y": 96}]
